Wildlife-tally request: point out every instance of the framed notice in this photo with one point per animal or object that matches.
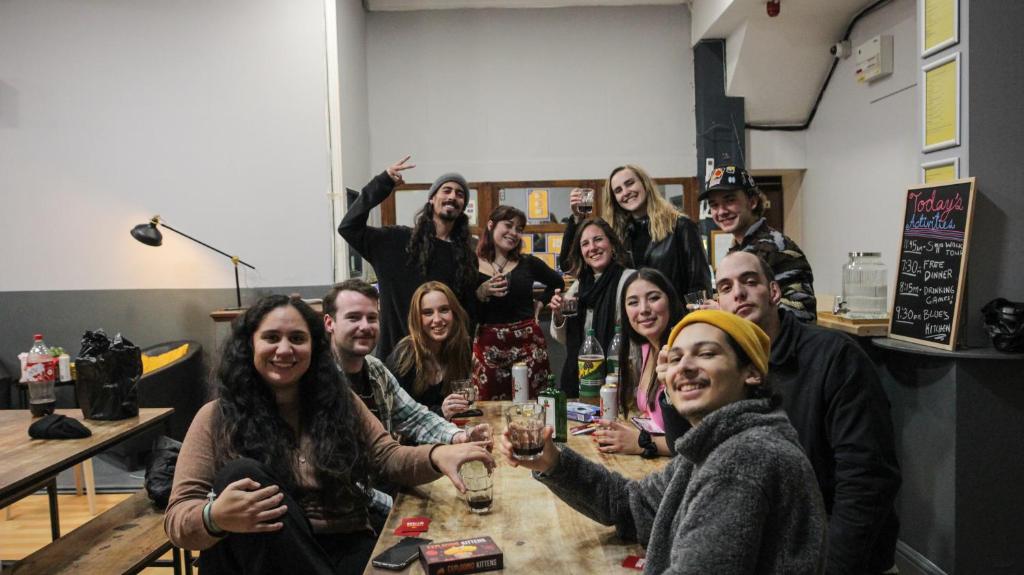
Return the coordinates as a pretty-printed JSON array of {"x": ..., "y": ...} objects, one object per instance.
[
  {"x": 933, "y": 250},
  {"x": 940, "y": 171},
  {"x": 940, "y": 120},
  {"x": 719, "y": 246},
  {"x": 940, "y": 25},
  {"x": 548, "y": 259},
  {"x": 527, "y": 240},
  {"x": 537, "y": 201},
  {"x": 555, "y": 243}
]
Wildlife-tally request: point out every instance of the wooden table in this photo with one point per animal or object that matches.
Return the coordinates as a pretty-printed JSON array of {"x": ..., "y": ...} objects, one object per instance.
[
  {"x": 535, "y": 530},
  {"x": 29, "y": 464}
]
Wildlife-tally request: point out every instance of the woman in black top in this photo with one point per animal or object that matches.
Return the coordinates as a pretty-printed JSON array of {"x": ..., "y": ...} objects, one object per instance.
[
  {"x": 598, "y": 260},
  {"x": 436, "y": 352},
  {"x": 508, "y": 332},
  {"x": 655, "y": 234}
]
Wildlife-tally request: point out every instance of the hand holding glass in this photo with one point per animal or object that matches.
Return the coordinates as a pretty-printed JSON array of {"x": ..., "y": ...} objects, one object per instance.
[
  {"x": 479, "y": 486},
  {"x": 525, "y": 423},
  {"x": 570, "y": 306}
]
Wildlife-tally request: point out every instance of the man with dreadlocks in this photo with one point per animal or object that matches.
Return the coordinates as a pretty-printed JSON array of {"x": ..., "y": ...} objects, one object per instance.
[{"x": 437, "y": 248}]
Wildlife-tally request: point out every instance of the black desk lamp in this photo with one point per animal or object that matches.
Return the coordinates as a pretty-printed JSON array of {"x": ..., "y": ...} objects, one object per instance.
[{"x": 151, "y": 236}]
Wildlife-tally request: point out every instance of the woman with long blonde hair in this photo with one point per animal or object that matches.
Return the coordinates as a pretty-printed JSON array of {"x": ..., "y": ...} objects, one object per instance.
[
  {"x": 437, "y": 350},
  {"x": 655, "y": 234}
]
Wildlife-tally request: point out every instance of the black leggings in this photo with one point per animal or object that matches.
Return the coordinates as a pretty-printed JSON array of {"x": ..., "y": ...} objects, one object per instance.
[{"x": 293, "y": 549}]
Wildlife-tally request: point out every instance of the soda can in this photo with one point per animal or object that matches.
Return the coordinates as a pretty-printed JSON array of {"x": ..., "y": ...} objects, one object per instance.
[
  {"x": 610, "y": 398},
  {"x": 520, "y": 383}
]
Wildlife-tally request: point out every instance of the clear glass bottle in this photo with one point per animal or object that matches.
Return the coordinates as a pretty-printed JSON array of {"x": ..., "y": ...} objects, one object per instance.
[{"x": 865, "y": 290}]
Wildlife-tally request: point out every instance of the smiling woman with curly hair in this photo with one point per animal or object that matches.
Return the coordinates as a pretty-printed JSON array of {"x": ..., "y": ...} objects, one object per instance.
[{"x": 274, "y": 475}]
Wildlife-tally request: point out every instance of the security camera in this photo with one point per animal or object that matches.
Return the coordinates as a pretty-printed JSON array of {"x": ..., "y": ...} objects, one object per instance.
[{"x": 841, "y": 49}]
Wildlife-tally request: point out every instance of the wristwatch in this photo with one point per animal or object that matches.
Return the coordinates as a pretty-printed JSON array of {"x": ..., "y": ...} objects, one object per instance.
[{"x": 647, "y": 444}]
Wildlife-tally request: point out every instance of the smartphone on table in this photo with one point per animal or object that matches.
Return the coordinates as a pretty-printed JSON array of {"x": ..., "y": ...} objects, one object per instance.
[{"x": 401, "y": 554}]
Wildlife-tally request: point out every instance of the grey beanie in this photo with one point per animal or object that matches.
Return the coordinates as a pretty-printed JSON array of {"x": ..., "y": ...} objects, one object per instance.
[{"x": 449, "y": 177}]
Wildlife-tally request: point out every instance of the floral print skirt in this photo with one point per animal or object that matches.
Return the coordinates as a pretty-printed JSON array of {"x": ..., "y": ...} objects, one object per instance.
[{"x": 497, "y": 347}]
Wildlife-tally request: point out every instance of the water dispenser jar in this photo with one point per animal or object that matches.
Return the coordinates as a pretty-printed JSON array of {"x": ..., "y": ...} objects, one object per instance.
[{"x": 864, "y": 286}]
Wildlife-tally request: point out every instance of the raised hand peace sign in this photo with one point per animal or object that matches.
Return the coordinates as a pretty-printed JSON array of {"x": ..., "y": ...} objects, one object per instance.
[{"x": 395, "y": 170}]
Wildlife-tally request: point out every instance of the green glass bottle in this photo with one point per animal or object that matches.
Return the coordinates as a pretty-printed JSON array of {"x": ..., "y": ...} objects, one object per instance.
[{"x": 553, "y": 400}]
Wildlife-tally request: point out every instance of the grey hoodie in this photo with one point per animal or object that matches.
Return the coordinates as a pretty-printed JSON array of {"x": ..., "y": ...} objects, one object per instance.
[{"x": 740, "y": 497}]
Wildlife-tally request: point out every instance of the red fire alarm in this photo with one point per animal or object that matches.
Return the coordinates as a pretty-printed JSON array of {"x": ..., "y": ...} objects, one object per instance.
[{"x": 773, "y": 7}]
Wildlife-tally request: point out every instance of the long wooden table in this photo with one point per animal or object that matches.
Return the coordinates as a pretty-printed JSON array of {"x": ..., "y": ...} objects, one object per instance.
[
  {"x": 29, "y": 464},
  {"x": 535, "y": 530}
]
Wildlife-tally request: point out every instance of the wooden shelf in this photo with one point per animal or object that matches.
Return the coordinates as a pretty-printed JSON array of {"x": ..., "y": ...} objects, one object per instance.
[{"x": 857, "y": 327}]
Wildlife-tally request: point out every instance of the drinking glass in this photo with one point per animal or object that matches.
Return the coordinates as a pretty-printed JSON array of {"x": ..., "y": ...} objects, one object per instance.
[
  {"x": 525, "y": 423},
  {"x": 586, "y": 201},
  {"x": 465, "y": 388},
  {"x": 695, "y": 299},
  {"x": 479, "y": 486},
  {"x": 570, "y": 306}
]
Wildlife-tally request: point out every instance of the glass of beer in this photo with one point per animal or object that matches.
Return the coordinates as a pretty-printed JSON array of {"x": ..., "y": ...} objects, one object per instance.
[
  {"x": 570, "y": 306},
  {"x": 465, "y": 388},
  {"x": 586, "y": 206},
  {"x": 525, "y": 422},
  {"x": 479, "y": 486}
]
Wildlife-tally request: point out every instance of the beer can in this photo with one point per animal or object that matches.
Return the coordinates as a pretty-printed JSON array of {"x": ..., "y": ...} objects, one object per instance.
[
  {"x": 520, "y": 383},
  {"x": 610, "y": 397}
]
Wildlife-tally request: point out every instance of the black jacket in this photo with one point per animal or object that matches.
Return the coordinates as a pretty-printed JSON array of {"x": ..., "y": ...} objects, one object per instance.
[
  {"x": 679, "y": 255},
  {"x": 834, "y": 398},
  {"x": 386, "y": 250}
]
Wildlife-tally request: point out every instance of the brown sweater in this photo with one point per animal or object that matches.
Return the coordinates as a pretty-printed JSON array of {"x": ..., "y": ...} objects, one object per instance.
[{"x": 194, "y": 474}]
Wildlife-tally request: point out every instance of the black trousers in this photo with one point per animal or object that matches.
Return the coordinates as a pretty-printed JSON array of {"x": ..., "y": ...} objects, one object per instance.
[{"x": 293, "y": 549}]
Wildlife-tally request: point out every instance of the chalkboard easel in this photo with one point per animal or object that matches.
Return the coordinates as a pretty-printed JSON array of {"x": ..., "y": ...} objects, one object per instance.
[{"x": 933, "y": 264}]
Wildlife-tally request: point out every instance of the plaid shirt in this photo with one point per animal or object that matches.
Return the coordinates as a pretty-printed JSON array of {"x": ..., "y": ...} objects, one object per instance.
[{"x": 402, "y": 415}]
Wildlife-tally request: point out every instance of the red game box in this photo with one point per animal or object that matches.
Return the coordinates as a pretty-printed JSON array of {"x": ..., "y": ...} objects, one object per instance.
[{"x": 463, "y": 556}]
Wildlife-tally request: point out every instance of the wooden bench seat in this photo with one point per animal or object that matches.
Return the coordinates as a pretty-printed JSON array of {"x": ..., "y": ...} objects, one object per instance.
[{"x": 124, "y": 539}]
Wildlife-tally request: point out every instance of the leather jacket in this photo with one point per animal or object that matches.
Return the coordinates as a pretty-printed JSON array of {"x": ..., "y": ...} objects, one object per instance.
[{"x": 679, "y": 255}]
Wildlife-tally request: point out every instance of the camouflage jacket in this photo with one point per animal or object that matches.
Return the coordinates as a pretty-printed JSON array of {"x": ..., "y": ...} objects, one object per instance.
[{"x": 792, "y": 270}]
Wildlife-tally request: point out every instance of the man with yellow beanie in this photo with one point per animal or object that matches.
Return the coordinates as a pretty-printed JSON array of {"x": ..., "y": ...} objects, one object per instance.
[{"x": 740, "y": 497}]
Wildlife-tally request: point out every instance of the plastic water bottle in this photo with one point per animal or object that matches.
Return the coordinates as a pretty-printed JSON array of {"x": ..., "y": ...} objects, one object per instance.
[{"x": 40, "y": 373}]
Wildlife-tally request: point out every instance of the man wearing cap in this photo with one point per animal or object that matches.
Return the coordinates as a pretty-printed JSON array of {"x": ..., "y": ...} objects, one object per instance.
[
  {"x": 834, "y": 398},
  {"x": 437, "y": 248},
  {"x": 740, "y": 497},
  {"x": 737, "y": 207}
]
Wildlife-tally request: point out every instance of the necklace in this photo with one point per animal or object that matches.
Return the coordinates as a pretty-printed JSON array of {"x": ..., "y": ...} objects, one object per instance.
[{"x": 499, "y": 269}]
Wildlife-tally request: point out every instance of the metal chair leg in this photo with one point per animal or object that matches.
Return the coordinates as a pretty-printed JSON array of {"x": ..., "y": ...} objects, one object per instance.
[
  {"x": 177, "y": 560},
  {"x": 188, "y": 561}
]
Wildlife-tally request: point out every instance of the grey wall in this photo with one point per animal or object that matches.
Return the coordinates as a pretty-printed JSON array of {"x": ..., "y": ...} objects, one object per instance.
[
  {"x": 996, "y": 80},
  {"x": 532, "y": 94},
  {"x": 146, "y": 317}
]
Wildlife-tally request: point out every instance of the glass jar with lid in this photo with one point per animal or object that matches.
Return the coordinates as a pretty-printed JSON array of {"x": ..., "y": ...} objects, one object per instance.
[{"x": 865, "y": 292}]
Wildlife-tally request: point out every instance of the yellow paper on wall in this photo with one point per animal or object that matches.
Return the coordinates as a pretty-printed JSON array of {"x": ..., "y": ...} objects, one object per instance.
[
  {"x": 940, "y": 86},
  {"x": 938, "y": 22},
  {"x": 527, "y": 240},
  {"x": 939, "y": 174},
  {"x": 538, "y": 205}
]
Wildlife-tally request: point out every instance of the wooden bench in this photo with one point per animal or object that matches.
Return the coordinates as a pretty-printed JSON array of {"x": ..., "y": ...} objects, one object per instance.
[{"x": 124, "y": 539}]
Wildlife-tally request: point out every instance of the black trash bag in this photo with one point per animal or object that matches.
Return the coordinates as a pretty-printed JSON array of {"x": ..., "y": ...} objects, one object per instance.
[
  {"x": 107, "y": 374},
  {"x": 160, "y": 469},
  {"x": 1004, "y": 322}
]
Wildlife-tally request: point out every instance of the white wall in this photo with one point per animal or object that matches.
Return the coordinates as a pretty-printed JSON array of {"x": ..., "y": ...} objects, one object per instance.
[
  {"x": 211, "y": 114},
  {"x": 532, "y": 94},
  {"x": 355, "y": 121},
  {"x": 862, "y": 155}
]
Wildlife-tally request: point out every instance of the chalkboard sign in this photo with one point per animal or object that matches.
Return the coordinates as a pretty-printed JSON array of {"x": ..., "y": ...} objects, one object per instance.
[{"x": 933, "y": 263}]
